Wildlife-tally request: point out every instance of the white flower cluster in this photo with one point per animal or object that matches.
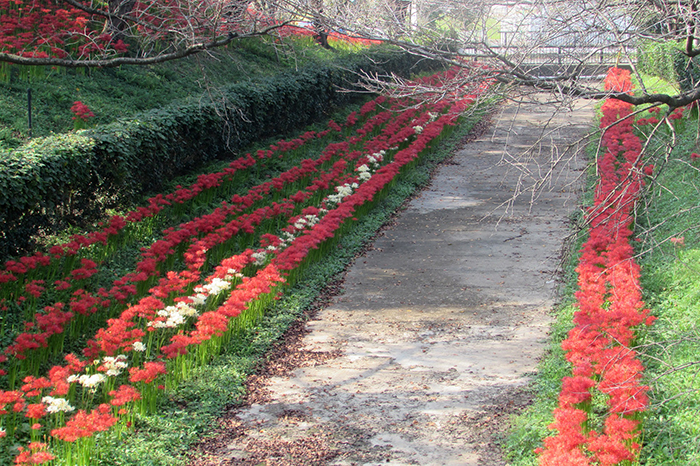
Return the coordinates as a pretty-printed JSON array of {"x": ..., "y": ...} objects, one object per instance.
[
  {"x": 198, "y": 299},
  {"x": 307, "y": 221},
  {"x": 286, "y": 239},
  {"x": 364, "y": 173},
  {"x": 114, "y": 365},
  {"x": 259, "y": 257},
  {"x": 178, "y": 314},
  {"x": 88, "y": 381},
  {"x": 56, "y": 405},
  {"x": 376, "y": 158},
  {"x": 139, "y": 346},
  {"x": 418, "y": 129},
  {"x": 216, "y": 286},
  {"x": 342, "y": 192}
]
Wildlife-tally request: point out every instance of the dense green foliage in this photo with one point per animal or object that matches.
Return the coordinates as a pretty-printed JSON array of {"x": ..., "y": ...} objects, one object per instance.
[
  {"x": 687, "y": 71},
  {"x": 659, "y": 59},
  {"x": 46, "y": 181},
  {"x": 666, "y": 60}
]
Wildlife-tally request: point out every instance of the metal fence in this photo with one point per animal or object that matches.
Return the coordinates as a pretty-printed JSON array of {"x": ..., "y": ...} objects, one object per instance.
[{"x": 551, "y": 60}]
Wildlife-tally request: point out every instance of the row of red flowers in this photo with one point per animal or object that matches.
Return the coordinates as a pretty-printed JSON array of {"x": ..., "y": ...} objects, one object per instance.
[
  {"x": 42, "y": 266},
  {"x": 217, "y": 227},
  {"x": 178, "y": 323},
  {"x": 73, "y": 287},
  {"x": 610, "y": 309}
]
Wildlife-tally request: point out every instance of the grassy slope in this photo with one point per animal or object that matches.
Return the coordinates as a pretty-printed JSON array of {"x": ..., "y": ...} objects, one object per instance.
[
  {"x": 189, "y": 411},
  {"x": 671, "y": 281},
  {"x": 115, "y": 93}
]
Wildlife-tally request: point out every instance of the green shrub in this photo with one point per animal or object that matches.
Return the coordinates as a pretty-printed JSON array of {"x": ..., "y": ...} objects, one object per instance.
[
  {"x": 687, "y": 71},
  {"x": 659, "y": 59},
  {"x": 666, "y": 60},
  {"x": 45, "y": 178}
]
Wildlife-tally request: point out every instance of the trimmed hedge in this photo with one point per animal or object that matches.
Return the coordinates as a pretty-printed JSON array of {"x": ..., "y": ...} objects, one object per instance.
[
  {"x": 54, "y": 177},
  {"x": 687, "y": 71},
  {"x": 658, "y": 59},
  {"x": 666, "y": 60}
]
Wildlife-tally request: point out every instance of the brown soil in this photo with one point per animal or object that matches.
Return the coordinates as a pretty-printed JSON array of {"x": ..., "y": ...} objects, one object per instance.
[{"x": 423, "y": 351}]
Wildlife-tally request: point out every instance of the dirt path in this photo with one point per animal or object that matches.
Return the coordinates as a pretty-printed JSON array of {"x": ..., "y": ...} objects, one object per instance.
[{"x": 425, "y": 352}]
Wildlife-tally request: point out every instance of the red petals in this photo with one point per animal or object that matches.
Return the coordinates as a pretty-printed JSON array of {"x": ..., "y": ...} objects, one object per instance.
[
  {"x": 34, "y": 453},
  {"x": 81, "y": 111},
  {"x": 85, "y": 424},
  {"x": 124, "y": 395},
  {"x": 150, "y": 371}
]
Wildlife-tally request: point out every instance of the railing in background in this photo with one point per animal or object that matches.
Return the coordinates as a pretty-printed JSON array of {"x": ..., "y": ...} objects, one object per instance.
[{"x": 553, "y": 60}]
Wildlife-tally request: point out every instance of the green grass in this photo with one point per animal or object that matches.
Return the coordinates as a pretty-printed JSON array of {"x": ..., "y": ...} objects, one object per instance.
[
  {"x": 671, "y": 283},
  {"x": 114, "y": 93},
  {"x": 655, "y": 85}
]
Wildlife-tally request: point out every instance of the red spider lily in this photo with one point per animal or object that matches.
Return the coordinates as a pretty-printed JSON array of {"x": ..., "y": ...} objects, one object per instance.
[
  {"x": 150, "y": 371},
  {"x": 123, "y": 395},
  {"x": 565, "y": 448},
  {"x": 609, "y": 306},
  {"x": 35, "y": 288},
  {"x": 36, "y": 410},
  {"x": 84, "y": 424},
  {"x": 118, "y": 336},
  {"x": 34, "y": 453},
  {"x": 81, "y": 111},
  {"x": 10, "y": 398}
]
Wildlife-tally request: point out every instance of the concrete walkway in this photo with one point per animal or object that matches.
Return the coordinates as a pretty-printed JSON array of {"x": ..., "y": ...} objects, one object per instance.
[{"x": 441, "y": 323}]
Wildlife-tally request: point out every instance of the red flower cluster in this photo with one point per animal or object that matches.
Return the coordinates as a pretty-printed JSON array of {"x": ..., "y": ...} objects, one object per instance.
[
  {"x": 610, "y": 307},
  {"x": 676, "y": 114},
  {"x": 81, "y": 111},
  {"x": 85, "y": 424},
  {"x": 34, "y": 453}
]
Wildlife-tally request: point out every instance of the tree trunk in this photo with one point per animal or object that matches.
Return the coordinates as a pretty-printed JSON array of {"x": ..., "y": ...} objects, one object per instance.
[
  {"x": 116, "y": 25},
  {"x": 321, "y": 35}
]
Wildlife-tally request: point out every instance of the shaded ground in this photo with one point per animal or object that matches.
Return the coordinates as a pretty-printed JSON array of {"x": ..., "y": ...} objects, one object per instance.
[{"x": 424, "y": 351}]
